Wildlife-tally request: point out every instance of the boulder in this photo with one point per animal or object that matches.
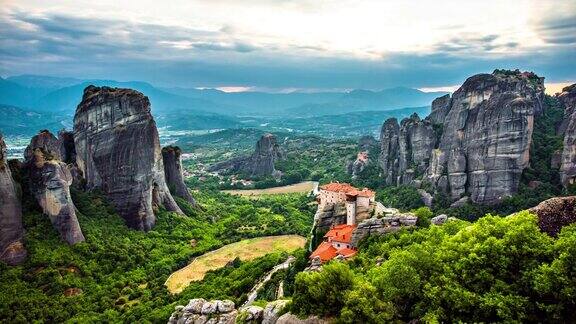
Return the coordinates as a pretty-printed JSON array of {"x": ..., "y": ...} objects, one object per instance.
[
  {"x": 555, "y": 213},
  {"x": 379, "y": 226},
  {"x": 439, "y": 220},
  {"x": 49, "y": 182},
  {"x": 252, "y": 314},
  {"x": 272, "y": 311},
  {"x": 427, "y": 198},
  {"x": 171, "y": 157},
  {"x": 200, "y": 311},
  {"x": 118, "y": 152},
  {"x": 290, "y": 318},
  {"x": 12, "y": 250},
  {"x": 460, "y": 202},
  {"x": 224, "y": 306}
]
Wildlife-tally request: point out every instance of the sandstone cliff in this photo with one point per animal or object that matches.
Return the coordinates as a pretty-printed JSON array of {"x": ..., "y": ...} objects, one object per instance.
[
  {"x": 12, "y": 249},
  {"x": 118, "y": 151},
  {"x": 49, "y": 182},
  {"x": 260, "y": 163},
  {"x": 484, "y": 131},
  {"x": 405, "y": 149},
  {"x": 568, "y": 128},
  {"x": 171, "y": 156}
]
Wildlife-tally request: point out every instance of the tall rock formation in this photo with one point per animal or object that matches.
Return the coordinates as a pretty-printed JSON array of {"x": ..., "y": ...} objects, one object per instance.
[
  {"x": 12, "y": 249},
  {"x": 486, "y": 131},
  {"x": 405, "y": 149},
  {"x": 260, "y": 163},
  {"x": 118, "y": 151},
  {"x": 267, "y": 152},
  {"x": 171, "y": 156},
  {"x": 568, "y": 128},
  {"x": 49, "y": 182}
]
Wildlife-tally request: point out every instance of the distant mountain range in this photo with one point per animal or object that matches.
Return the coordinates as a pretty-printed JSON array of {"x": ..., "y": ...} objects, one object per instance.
[{"x": 55, "y": 99}]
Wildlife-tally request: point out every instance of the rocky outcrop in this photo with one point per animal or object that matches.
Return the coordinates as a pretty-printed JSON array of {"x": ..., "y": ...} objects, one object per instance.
[
  {"x": 118, "y": 152},
  {"x": 440, "y": 108},
  {"x": 330, "y": 215},
  {"x": 171, "y": 156},
  {"x": 439, "y": 220},
  {"x": 200, "y": 311},
  {"x": 12, "y": 249},
  {"x": 568, "y": 128},
  {"x": 379, "y": 226},
  {"x": 289, "y": 318},
  {"x": 259, "y": 164},
  {"x": 356, "y": 167},
  {"x": 68, "y": 156},
  {"x": 49, "y": 183},
  {"x": 67, "y": 147},
  {"x": 262, "y": 160},
  {"x": 272, "y": 311},
  {"x": 251, "y": 314},
  {"x": 406, "y": 149},
  {"x": 484, "y": 131},
  {"x": 555, "y": 213},
  {"x": 487, "y": 135}
]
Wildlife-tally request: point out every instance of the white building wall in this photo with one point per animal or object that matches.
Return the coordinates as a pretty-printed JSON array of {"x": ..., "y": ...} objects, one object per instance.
[
  {"x": 350, "y": 213},
  {"x": 363, "y": 202}
]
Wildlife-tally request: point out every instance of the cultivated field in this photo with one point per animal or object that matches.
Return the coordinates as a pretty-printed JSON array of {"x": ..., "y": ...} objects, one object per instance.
[
  {"x": 245, "y": 250},
  {"x": 302, "y": 187}
]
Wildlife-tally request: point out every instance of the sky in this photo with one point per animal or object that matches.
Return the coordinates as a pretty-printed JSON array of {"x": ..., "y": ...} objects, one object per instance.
[{"x": 288, "y": 45}]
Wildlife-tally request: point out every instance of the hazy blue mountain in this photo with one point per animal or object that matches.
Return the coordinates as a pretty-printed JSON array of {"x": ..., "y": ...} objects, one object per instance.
[
  {"x": 366, "y": 100},
  {"x": 312, "y": 104},
  {"x": 43, "y": 82},
  {"x": 219, "y": 109},
  {"x": 67, "y": 98},
  {"x": 259, "y": 103},
  {"x": 22, "y": 121},
  {"x": 14, "y": 94}
]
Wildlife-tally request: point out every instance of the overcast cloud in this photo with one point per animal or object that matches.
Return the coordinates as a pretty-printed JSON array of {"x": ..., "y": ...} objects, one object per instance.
[{"x": 288, "y": 44}]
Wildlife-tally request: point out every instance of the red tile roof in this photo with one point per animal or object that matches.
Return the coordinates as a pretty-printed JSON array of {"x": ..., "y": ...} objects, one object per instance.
[
  {"x": 325, "y": 251},
  {"x": 341, "y": 233},
  {"x": 346, "y": 252},
  {"x": 347, "y": 189}
]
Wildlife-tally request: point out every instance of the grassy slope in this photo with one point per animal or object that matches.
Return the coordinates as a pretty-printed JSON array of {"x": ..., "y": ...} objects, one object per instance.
[{"x": 245, "y": 250}]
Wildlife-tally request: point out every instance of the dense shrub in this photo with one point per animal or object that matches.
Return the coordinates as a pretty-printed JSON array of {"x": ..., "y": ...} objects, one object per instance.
[{"x": 495, "y": 270}]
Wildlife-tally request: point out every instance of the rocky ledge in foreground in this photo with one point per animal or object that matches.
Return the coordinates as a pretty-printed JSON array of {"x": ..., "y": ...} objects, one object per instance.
[
  {"x": 118, "y": 151},
  {"x": 12, "y": 249},
  {"x": 201, "y": 311},
  {"x": 171, "y": 156},
  {"x": 49, "y": 182},
  {"x": 555, "y": 213}
]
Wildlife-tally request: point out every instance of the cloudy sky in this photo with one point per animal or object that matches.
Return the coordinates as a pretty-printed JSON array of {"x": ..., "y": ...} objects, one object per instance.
[{"x": 284, "y": 45}]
